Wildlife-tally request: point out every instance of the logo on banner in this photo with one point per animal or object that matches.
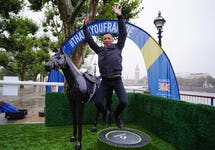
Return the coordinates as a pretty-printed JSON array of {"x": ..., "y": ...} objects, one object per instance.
[
  {"x": 164, "y": 87},
  {"x": 53, "y": 88}
]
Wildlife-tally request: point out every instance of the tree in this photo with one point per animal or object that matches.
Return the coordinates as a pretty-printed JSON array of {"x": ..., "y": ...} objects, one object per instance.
[
  {"x": 22, "y": 51},
  {"x": 4, "y": 59},
  {"x": 14, "y": 31},
  {"x": 23, "y": 54},
  {"x": 72, "y": 12},
  {"x": 42, "y": 56},
  {"x": 131, "y": 9},
  {"x": 10, "y": 6}
]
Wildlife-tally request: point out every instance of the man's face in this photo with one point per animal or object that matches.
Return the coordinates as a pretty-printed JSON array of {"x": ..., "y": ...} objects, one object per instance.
[{"x": 107, "y": 39}]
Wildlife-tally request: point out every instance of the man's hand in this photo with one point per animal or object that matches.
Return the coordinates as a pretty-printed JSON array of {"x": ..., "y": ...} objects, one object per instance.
[
  {"x": 86, "y": 20},
  {"x": 117, "y": 10}
]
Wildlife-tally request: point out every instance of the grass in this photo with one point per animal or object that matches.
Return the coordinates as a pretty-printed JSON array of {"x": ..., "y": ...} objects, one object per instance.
[{"x": 40, "y": 137}]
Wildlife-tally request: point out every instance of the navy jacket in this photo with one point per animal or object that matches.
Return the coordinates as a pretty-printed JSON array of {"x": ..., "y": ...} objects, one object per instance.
[{"x": 109, "y": 58}]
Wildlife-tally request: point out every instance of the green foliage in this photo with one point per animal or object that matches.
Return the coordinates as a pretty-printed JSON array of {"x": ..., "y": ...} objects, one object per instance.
[
  {"x": 21, "y": 26},
  {"x": 15, "y": 32},
  {"x": 130, "y": 9},
  {"x": 27, "y": 52},
  {"x": 52, "y": 23},
  {"x": 10, "y": 6},
  {"x": 4, "y": 59},
  {"x": 42, "y": 56},
  {"x": 36, "y": 4},
  {"x": 24, "y": 61}
]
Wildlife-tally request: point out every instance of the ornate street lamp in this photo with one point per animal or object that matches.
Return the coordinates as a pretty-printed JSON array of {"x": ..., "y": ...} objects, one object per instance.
[{"x": 159, "y": 23}]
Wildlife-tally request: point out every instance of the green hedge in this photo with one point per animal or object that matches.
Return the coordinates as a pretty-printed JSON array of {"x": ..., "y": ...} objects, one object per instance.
[
  {"x": 58, "y": 112},
  {"x": 184, "y": 125}
]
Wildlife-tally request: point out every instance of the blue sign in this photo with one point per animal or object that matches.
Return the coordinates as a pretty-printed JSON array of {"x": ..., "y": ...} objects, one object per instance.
[{"x": 55, "y": 76}]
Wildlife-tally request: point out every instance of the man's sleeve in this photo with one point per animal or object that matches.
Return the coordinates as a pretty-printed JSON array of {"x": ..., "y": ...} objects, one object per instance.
[
  {"x": 122, "y": 32},
  {"x": 89, "y": 39}
]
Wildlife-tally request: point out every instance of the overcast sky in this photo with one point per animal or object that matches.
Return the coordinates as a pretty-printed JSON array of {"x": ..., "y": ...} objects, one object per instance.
[{"x": 188, "y": 34}]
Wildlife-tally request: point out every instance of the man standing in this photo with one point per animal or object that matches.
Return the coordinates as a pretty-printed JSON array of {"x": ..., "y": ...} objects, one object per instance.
[{"x": 110, "y": 66}]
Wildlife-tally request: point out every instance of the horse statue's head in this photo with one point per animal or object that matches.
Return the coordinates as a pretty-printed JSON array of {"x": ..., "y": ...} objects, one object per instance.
[
  {"x": 58, "y": 60},
  {"x": 83, "y": 83}
]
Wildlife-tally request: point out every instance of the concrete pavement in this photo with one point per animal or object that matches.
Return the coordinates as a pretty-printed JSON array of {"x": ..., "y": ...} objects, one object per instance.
[{"x": 31, "y": 98}]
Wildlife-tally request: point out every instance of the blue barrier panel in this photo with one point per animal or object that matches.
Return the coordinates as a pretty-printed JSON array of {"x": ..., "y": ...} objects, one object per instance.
[{"x": 8, "y": 108}]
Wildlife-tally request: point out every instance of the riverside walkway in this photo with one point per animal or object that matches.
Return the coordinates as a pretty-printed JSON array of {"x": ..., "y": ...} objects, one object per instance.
[{"x": 30, "y": 98}]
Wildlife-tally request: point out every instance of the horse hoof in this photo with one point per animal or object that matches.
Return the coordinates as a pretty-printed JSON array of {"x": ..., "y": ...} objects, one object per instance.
[
  {"x": 93, "y": 129},
  {"x": 72, "y": 139},
  {"x": 78, "y": 146}
]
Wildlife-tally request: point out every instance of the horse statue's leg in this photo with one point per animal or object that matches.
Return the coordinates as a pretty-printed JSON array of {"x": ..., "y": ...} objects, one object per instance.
[
  {"x": 72, "y": 103},
  {"x": 80, "y": 111},
  {"x": 94, "y": 128},
  {"x": 73, "y": 138}
]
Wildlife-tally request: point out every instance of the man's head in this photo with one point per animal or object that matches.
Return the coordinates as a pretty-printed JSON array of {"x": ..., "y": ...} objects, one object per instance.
[{"x": 107, "y": 39}]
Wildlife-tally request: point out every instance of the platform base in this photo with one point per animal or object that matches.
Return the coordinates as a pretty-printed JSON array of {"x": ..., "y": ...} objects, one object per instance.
[
  {"x": 16, "y": 115},
  {"x": 116, "y": 138}
]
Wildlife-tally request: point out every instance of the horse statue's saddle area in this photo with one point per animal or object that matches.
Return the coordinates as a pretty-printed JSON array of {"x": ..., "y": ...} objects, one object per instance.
[{"x": 93, "y": 83}]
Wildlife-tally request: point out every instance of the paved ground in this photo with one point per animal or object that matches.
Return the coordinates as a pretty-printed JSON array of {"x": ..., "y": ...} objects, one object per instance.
[{"x": 30, "y": 98}]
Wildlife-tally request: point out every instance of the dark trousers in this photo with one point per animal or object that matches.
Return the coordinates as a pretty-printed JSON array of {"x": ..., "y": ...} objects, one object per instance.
[{"x": 106, "y": 87}]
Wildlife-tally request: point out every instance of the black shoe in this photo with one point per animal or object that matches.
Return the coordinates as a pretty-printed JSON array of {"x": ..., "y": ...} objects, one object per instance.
[
  {"x": 118, "y": 122},
  {"x": 94, "y": 129}
]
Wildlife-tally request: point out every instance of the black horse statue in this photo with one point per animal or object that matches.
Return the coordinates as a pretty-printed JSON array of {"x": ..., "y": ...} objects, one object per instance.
[{"x": 81, "y": 89}]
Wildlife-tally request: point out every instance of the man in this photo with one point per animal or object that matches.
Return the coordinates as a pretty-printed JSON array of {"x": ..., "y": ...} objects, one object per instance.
[{"x": 110, "y": 66}]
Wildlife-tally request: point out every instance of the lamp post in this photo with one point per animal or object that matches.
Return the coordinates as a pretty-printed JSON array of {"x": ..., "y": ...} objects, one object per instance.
[{"x": 159, "y": 23}]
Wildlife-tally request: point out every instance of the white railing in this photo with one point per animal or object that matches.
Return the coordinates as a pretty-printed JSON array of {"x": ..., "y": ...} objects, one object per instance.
[
  {"x": 30, "y": 83},
  {"x": 10, "y": 88}
]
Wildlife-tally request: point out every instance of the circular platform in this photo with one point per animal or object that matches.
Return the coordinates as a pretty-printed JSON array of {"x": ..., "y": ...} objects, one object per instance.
[{"x": 124, "y": 138}]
